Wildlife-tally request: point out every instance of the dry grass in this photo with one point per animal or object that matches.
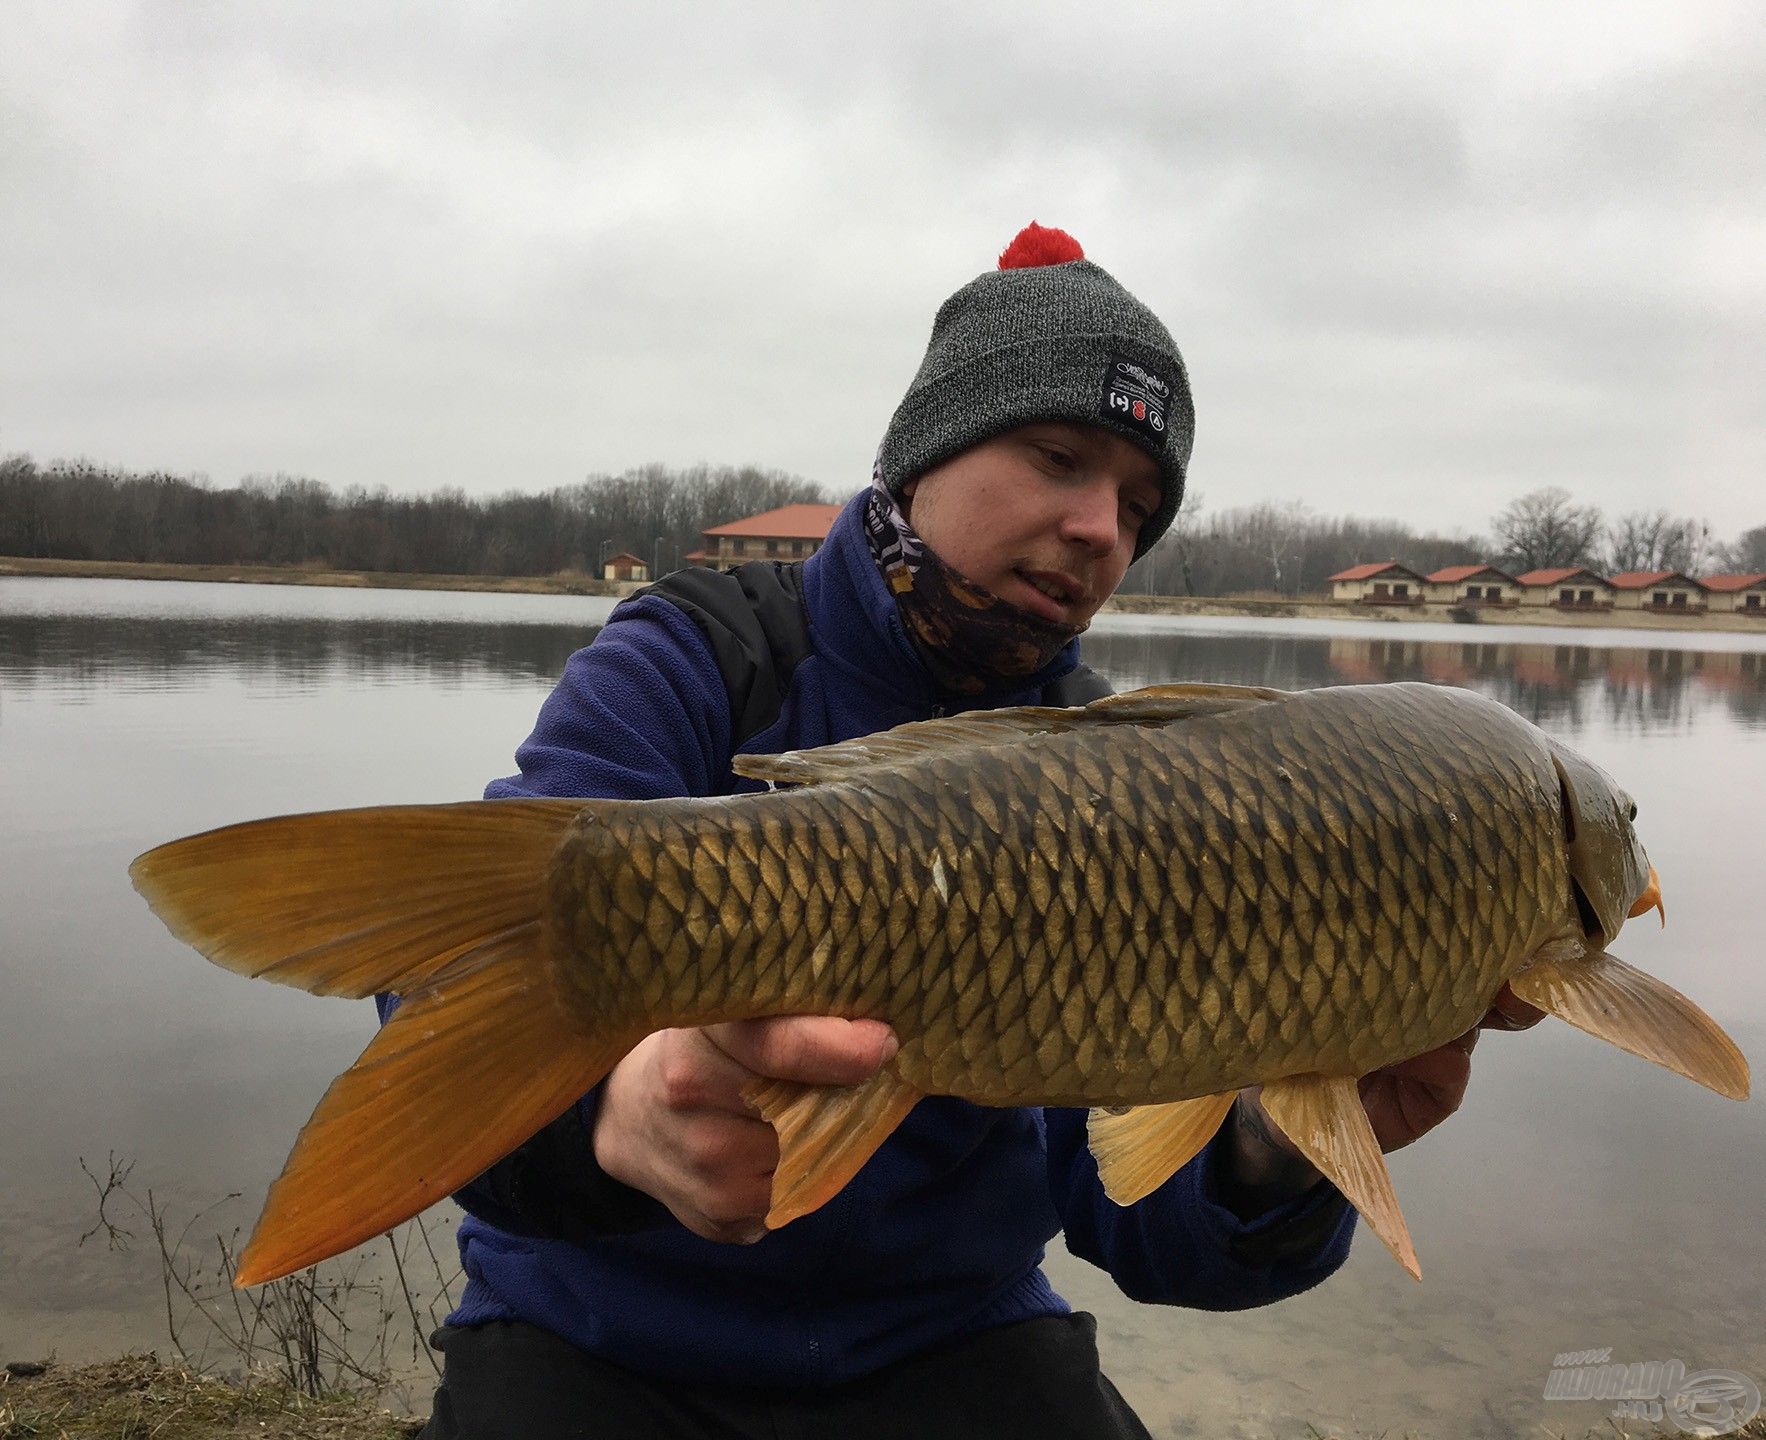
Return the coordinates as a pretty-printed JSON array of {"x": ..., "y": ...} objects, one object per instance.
[{"x": 137, "y": 1397}]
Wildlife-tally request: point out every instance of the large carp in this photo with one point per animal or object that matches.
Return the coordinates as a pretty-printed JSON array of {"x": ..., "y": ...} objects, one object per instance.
[{"x": 1149, "y": 902}]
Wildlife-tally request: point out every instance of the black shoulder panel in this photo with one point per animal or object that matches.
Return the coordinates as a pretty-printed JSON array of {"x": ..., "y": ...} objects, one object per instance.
[
  {"x": 753, "y": 618},
  {"x": 1079, "y": 686}
]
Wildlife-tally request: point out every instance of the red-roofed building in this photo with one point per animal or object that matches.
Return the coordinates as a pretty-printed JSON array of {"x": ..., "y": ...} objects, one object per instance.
[
  {"x": 791, "y": 532},
  {"x": 1379, "y": 582},
  {"x": 1473, "y": 585},
  {"x": 1743, "y": 594},
  {"x": 1657, "y": 590},
  {"x": 626, "y": 566},
  {"x": 1567, "y": 587}
]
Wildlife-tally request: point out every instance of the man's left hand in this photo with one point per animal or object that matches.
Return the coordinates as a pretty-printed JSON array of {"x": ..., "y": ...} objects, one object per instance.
[{"x": 1403, "y": 1101}]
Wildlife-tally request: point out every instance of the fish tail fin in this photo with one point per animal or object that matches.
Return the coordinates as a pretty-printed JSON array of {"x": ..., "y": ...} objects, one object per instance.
[
  {"x": 468, "y": 1068},
  {"x": 441, "y": 905},
  {"x": 1618, "y": 1003},
  {"x": 356, "y": 902}
]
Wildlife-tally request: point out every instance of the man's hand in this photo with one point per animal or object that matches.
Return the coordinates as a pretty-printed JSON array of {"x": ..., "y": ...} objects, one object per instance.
[
  {"x": 1403, "y": 1102},
  {"x": 672, "y": 1121}
]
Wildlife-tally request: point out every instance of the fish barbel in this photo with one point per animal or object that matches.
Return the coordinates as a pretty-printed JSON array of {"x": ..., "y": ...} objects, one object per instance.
[{"x": 1142, "y": 905}]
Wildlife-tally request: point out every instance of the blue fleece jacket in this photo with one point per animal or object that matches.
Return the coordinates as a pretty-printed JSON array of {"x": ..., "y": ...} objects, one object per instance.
[{"x": 942, "y": 1232}]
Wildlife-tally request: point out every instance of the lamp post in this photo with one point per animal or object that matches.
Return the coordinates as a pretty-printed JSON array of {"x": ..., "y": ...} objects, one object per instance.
[
  {"x": 601, "y": 572},
  {"x": 656, "y": 560}
]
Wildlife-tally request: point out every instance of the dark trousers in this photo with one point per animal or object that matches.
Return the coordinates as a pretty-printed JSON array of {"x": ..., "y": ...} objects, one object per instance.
[{"x": 1036, "y": 1378}]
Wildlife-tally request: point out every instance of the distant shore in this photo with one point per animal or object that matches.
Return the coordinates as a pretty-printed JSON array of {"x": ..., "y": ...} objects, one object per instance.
[{"x": 581, "y": 583}]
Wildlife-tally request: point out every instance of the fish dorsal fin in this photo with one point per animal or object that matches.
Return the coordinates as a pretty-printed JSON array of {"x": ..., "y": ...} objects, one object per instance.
[
  {"x": 985, "y": 729},
  {"x": 826, "y": 1133},
  {"x": 1140, "y": 1149},
  {"x": 1618, "y": 1003},
  {"x": 1161, "y": 704},
  {"x": 1324, "y": 1117}
]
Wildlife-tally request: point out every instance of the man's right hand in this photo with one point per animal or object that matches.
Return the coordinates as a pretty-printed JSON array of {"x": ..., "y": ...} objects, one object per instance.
[{"x": 672, "y": 1121}]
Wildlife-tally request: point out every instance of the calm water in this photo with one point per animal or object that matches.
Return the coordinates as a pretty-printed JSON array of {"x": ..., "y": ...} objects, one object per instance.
[{"x": 1581, "y": 1199}]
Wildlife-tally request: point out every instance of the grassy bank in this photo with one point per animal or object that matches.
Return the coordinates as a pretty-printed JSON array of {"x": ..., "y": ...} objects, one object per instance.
[
  {"x": 564, "y": 583},
  {"x": 137, "y": 1397},
  {"x": 578, "y": 583}
]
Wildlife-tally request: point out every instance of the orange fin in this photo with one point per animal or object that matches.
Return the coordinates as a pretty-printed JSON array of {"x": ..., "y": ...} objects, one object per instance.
[
  {"x": 1619, "y": 1003},
  {"x": 826, "y": 1133},
  {"x": 1323, "y": 1115},
  {"x": 1140, "y": 1149},
  {"x": 467, "y": 1069},
  {"x": 355, "y": 902}
]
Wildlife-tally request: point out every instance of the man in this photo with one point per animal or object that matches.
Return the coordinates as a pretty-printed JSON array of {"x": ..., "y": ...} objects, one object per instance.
[{"x": 621, "y": 1280}]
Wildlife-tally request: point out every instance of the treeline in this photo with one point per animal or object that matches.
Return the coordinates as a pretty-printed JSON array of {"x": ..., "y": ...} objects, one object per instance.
[
  {"x": 1279, "y": 549},
  {"x": 77, "y": 511},
  {"x": 1285, "y": 549},
  {"x": 1548, "y": 528}
]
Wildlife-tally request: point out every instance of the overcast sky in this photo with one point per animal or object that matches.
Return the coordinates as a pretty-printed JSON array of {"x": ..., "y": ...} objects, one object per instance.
[{"x": 1419, "y": 259}]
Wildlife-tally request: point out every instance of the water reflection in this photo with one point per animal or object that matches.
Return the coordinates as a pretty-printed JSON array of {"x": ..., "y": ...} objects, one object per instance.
[
  {"x": 75, "y": 651},
  {"x": 1558, "y": 686}
]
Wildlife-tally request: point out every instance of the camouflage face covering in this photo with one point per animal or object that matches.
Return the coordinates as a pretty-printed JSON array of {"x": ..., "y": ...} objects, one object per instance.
[{"x": 969, "y": 638}]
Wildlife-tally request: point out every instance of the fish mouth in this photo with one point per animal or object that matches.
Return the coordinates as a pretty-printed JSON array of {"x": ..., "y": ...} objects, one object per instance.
[
  {"x": 1592, "y": 929},
  {"x": 1651, "y": 899}
]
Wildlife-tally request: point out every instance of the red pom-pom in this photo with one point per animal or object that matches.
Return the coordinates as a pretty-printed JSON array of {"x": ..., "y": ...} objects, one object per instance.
[{"x": 1038, "y": 245}]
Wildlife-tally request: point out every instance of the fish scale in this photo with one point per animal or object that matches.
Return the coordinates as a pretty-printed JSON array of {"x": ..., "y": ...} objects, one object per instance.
[{"x": 1282, "y": 891}]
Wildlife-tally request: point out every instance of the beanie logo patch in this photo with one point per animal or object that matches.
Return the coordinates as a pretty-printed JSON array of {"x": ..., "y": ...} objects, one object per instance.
[{"x": 1136, "y": 397}]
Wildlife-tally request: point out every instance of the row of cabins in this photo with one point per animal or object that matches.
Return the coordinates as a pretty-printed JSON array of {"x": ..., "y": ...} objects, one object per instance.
[
  {"x": 1570, "y": 587},
  {"x": 795, "y": 532}
]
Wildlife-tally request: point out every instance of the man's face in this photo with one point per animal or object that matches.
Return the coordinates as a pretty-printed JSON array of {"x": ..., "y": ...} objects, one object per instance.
[{"x": 1045, "y": 516}]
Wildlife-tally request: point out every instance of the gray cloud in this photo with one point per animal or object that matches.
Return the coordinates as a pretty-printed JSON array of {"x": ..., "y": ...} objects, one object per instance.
[{"x": 1419, "y": 261}]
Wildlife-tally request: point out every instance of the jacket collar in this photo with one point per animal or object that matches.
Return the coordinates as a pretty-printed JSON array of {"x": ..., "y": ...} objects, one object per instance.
[{"x": 846, "y": 596}]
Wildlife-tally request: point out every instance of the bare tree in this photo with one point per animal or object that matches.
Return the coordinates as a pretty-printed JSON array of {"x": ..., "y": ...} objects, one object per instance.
[
  {"x": 1545, "y": 527},
  {"x": 1745, "y": 555},
  {"x": 1656, "y": 540}
]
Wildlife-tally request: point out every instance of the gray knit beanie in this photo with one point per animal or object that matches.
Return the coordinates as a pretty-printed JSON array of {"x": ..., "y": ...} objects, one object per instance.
[{"x": 1047, "y": 336}]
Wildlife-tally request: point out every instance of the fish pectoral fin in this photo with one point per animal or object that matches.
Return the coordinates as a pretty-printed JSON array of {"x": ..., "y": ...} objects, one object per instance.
[
  {"x": 1621, "y": 1004},
  {"x": 1140, "y": 1149},
  {"x": 1161, "y": 703},
  {"x": 1324, "y": 1117},
  {"x": 465, "y": 1070},
  {"x": 826, "y": 1133},
  {"x": 355, "y": 902}
]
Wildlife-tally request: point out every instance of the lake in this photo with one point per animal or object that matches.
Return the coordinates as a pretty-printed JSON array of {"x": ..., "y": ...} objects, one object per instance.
[{"x": 1581, "y": 1199}]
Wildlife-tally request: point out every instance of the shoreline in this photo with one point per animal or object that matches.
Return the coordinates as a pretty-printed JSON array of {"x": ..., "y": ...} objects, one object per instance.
[
  {"x": 580, "y": 583},
  {"x": 140, "y": 1394}
]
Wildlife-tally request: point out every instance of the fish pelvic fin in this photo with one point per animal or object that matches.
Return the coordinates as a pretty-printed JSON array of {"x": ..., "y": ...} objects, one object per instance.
[
  {"x": 988, "y": 729},
  {"x": 1324, "y": 1117},
  {"x": 1618, "y": 1003},
  {"x": 1140, "y": 1149},
  {"x": 826, "y": 1134},
  {"x": 356, "y": 902},
  {"x": 469, "y": 1066}
]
